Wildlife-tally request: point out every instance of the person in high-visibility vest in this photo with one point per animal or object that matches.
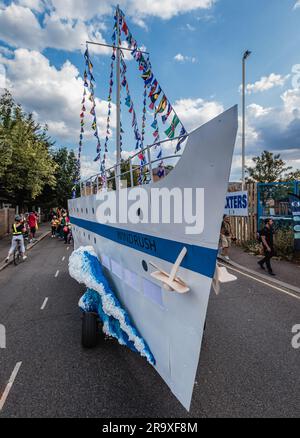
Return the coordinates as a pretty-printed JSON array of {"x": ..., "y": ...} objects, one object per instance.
[{"x": 17, "y": 232}]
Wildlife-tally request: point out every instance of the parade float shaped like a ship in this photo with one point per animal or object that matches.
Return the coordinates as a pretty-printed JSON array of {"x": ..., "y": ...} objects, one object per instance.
[{"x": 150, "y": 282}]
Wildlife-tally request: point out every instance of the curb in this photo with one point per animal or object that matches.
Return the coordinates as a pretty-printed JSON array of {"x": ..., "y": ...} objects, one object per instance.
[
  {"x": 264, "y": 277},
  {"x": 29, "y": 247}
]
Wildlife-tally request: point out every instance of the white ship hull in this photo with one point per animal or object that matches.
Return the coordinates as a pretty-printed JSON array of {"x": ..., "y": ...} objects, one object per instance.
[{"x": 172, "y": 324}]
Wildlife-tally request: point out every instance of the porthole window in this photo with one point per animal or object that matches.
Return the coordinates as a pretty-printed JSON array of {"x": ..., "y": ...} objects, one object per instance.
[
  {"x": 86, "y": 210},
  {"x": 89, "y": 237},
  {"x": 145, "y": 266},
  {"x": 95, "y": 240},
  {"x": 93, "y": 210},
  {"x": 82, "y": 210}
]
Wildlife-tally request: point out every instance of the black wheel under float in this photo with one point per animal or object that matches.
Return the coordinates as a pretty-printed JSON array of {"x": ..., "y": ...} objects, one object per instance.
[{"x": 89, "y": 335}]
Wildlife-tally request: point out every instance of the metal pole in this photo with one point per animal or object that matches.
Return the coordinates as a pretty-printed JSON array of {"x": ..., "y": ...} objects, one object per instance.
[
  {"x": 244, "y": 124},
  {"x": 131, "y": 174},
  {"x": 150, "y": 163},
  {"x": 115, "y": 47},
  {"x": 245, "y": 56},
  {"x": 118, "y": 74}
]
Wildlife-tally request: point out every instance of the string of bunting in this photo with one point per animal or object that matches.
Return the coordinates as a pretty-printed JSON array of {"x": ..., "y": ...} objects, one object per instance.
[
  {"x": 78, "y": 162},
  {"x": 129, "y": 103},
  {"x": 89, "y": 82},
  {"x": 156, "y": 91}
]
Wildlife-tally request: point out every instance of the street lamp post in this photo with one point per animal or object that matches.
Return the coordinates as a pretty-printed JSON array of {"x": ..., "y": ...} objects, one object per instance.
[{"x": 245, "y": 56}]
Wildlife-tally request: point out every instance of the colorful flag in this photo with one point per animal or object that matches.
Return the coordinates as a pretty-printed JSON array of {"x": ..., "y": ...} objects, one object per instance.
[
  {"x": 154, "y": 98},
  {"x": 165, "y": 117},
  {"x": 146, "y": 75},
  {"x": 125, "y": 28},
  {"x": 162, "y": 106},
  {"x": 181, "y": 140},
  {"x": 154, "y": 124},
  {"x": 170, "y": 132},
  {"x": 153, "y": 88}
]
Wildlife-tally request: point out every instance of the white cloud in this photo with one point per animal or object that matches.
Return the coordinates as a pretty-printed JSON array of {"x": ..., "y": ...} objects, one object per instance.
[
  {"x": 137, "y": 9},
  {"x": 36, "y": 5},
  {"x": 88, "y": 167},
  {"x": 2, "y": 77},
  {"x": 19, "y": 27},
  {"x": 266, "y": 83},
  {"x": 195, "y": 112},
  {"x": 297, "y": 4},
  {"x": 54, "y": 95},
  {"x": 66, "y": 25},
  {"x": 181, "y": 58}
]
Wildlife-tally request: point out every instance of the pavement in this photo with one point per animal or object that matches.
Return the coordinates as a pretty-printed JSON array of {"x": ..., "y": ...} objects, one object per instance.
[
  {"x": 248, "y": 367},
  {"x": 5, "y": 243},
  {"x": 287, "y": 273}
]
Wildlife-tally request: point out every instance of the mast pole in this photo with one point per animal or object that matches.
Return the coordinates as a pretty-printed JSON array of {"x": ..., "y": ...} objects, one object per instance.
[{"x": 118, "y": 105}]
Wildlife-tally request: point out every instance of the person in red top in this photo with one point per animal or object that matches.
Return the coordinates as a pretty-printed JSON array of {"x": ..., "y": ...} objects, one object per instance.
[{"x": 32, "y": 222}]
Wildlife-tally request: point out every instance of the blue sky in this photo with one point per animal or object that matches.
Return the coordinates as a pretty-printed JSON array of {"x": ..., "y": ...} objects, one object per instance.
[{"x": 196, "y": 48}]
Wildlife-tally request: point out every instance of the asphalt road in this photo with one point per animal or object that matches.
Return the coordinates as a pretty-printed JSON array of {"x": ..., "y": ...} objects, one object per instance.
[{"x": 248, "y": 367}]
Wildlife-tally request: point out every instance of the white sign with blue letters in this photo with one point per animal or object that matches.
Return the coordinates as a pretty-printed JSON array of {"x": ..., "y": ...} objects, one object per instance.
[{"x": 237, "y": 204}]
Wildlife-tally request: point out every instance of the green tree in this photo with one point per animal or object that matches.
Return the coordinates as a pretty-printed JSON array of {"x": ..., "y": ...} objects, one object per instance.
[
  {"x": 65, "y": 173},
  {"x": 293, "y": 176},
  {"x": 6, "y": 124},
  {"x": 26, "y": 165},
  {"x": 267, "y": 168}
]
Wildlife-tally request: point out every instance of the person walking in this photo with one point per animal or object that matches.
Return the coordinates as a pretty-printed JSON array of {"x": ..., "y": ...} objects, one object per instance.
[
  {"x": 267, "y": 239},
  {"x": 32, "y": 222},
  {"x": 66, "y": 227}
]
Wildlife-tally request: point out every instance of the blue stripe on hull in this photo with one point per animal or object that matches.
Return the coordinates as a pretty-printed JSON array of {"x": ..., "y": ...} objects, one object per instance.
[{"x": 198, "y": 259}]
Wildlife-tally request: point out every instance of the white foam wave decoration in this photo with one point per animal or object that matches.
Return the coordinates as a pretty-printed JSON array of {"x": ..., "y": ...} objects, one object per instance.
[{"x": 85, "y": 268}]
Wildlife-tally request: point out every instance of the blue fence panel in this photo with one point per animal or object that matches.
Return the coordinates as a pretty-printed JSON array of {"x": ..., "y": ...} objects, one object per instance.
[{"x": 273, "y": 201}]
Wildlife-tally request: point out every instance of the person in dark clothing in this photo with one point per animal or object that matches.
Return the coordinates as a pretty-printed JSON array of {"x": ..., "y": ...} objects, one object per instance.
[{"x": 267, "y": 238}]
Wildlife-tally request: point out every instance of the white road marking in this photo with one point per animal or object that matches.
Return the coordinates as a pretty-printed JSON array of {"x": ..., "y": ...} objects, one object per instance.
[
  {"x": 68, "y": 248},
  {"x": 56, "y": 275},
  {"x": 263, "y": 282},
  {"x": 9, "y": 385},
  {"x": 44, "y": 303},
  {"x": 63, "y": 259}
]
